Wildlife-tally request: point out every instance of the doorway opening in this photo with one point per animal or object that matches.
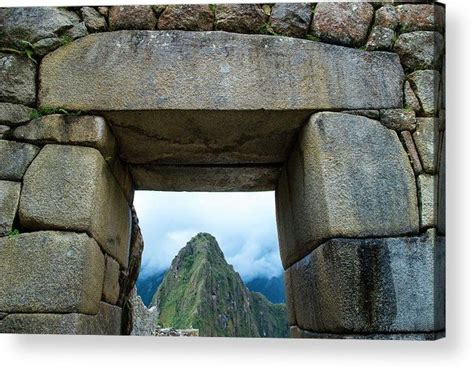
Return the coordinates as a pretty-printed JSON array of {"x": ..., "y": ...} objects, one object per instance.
[{"x": 211, "y": 264}]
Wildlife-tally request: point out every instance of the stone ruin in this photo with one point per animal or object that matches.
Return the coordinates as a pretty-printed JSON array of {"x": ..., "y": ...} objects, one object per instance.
[{"x": 338, "y": 107}]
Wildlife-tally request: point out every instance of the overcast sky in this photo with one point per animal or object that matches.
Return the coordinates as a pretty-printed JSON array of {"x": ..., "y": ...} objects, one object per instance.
[{"x": 243, "y": 223}]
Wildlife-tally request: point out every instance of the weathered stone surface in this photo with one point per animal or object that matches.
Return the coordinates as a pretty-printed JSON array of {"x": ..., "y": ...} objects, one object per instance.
[
  {"x": 441, "y": 203},
  {"x": 196, "y": 17},
  {"x": 209, "y": 137},
  {"x": 191, "y": 75},
  {"x": 9, "y": 197},
  {"x": 291, "y": 19},
  {"x": 71, "y": 188},
  {"x": 122, "y": 174},
  {"x": 421, "y": 17},
  {"x": 93, "y": 20},
  {"x": 18, "y": 79},
  {"x": 426, "y": 85},
  {"x": 398, "y": 119},
  {"x": 50, "y": 272},
  {"x": 426, "y": 139},
  {"x": 289, "y": 297},
  {"x": 111, "y": 290},
  {"x": 296, "y": 332},
  {"x": 130, "y": 276},
  {"x": 131, "y": 17},
  {"x": 241, "y": 18},
  {"x": 46, "y": 45},
  {"x": 380, "y": 39},
  {"x": 372, "y": 114},
  {"x": 32, "y": 24},
  {"x": 427, "y": 191},
  {"x": 410, "y": 100},
  {"x": 16, "y": 157},
  {"x": 342, "y": 23},
  {"x": 84, "y": 130},
  {"x": 79, "y": 30},
  {"x": 5, "y": 132},
  {"x": 420, "y": 49},
  {"x": 372, "y": 285},
  {"x": 205, "y": 178},
  {"x": 103, "y": 10},
  {"x": 339, "y": 169},
  {"x": 412, "y": 153},
  {"x": 106, "y": 322},
  {"x": 144, "y": 321},
  {"x": 14, "y": 114},
  {"x": 387, "y": 16}
]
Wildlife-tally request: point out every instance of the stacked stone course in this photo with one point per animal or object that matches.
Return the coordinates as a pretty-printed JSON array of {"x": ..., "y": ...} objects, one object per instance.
[{"x": 359, "y": 172}]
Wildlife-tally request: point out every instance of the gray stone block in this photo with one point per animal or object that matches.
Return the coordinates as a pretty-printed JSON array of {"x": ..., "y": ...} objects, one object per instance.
[
  {"x": 190, "y": 74},
  {"x": 426, "y": 84},
  {"x": 55, "y": 272},
  {"x": 398, "y": 119},
  {"x": 9, "y": 197},
  {"x": 81, "y": 130},
  {"x": 18, "y": 79},
  {"x": 5, "y": 132},
  {"x": 71, "y": 188},
  {"x": 349, "y": 176},
  {"x": 14, "y": 114},
  {"x": 427, "y": 192},
  {"x": 33, "y": 24},
  {"x": 106, "y": 322},
  {"x": 371, "y": 285},
  {"x": 420, "y": 50},
  {"x": 342, "y": 23},
  {"x": 426, "y": 138},
  {"x": 111, "y": 290},
  {"x": 291, "y": 19},
  {"x": 16, "y": 157}
]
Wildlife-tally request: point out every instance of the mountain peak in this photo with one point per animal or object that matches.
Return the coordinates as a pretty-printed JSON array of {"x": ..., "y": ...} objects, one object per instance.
[{"x": 202, "y": 291}]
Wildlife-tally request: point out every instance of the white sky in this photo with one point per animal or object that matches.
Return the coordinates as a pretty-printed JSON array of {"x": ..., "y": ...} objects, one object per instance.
[{"x": 243, "y": 223}]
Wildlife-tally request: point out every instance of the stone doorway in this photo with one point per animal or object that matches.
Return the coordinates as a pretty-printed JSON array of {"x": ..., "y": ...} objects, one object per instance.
[{"x": 357, "y": 175}]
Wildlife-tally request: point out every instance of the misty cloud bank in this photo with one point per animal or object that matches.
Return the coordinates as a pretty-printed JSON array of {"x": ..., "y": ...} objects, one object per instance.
[{"x": 243, "y": 223}]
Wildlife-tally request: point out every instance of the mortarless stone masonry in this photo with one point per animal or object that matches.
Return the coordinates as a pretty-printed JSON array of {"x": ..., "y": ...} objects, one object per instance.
[{"x": 344, "y": 119}]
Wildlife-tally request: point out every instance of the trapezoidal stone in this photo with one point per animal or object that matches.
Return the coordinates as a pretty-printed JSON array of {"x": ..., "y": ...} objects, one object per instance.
[
  {"x": 371, "y": 286},
  {"x": 71, "y": 188},
  {"x": 348, "y": 176},
  {"x": 57, "y": 272}
]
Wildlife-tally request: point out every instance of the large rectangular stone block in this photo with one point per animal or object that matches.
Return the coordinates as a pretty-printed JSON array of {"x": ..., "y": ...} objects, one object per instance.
[
  {"x": 84, "y": 130},
  {"x": 372, "y": 286},
  {"x": 71, "y": 188},
  {"x": 106, "y": 322},
  {"x": 57, "y": 272},
  {"x": 348, "y": 176},
  {"x": 216, "y": 71},
  {"x": 9, "y": 197}
]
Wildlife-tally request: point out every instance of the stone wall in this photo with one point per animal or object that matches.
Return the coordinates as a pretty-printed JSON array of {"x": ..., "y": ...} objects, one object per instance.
[{"x": 337, "y": 106}]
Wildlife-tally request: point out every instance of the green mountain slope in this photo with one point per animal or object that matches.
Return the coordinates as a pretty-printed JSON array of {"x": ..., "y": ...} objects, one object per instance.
[{"x": 202, "y": 291}]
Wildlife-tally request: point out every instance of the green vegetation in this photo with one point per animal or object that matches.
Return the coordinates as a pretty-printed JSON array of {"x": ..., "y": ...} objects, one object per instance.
[
  {"x": 202, "y": 291},
  {"x": 26, "y": 50},
  {"x": 13, "y": 233},
  {"x": 312, "y": 37},
  {"x": 45, "y": 110}
]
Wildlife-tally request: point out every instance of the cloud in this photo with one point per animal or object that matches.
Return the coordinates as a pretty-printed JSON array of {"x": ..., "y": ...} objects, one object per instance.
[{"x": 243, "y": 223}]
